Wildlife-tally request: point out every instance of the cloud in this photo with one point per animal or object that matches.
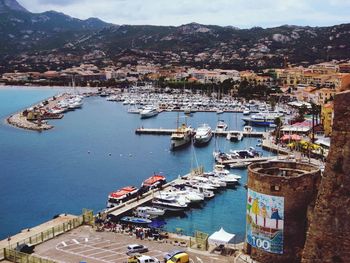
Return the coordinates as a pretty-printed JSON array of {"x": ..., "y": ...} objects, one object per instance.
[{"x": 241, "y": 13}]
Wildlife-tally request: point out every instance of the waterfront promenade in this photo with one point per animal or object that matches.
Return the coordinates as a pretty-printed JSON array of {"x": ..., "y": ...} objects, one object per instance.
[{"x": 40, "y": 231}]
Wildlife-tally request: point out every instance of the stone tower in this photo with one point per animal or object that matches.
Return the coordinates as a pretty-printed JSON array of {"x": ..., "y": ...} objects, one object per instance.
[
  {"x": 328, "y": 237},
  {"x": 279, "y": 194}
]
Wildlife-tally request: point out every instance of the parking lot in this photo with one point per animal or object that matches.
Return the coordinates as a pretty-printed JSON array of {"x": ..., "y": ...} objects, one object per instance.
[{"x": 86, "y": 245}]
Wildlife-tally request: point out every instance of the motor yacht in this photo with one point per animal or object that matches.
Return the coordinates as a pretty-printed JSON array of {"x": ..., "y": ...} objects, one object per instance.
[
  {"x": 262, "y": 118},
  {"x": 148, "y": 112},
  {"x": 169, "y": 202},
  {"x": 234, "y": 136},
  {"x": 148, "y": 212},
  {"x": 221, "y": 126},
  {"x": 203, "y": 135}
]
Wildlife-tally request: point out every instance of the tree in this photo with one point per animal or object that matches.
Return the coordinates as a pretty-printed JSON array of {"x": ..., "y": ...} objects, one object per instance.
[
  {"x": 301, "y": 112},
  {"x": 278, "y": 122}
]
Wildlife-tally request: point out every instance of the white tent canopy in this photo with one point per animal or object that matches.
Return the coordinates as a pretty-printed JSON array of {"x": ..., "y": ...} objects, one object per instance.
[{"x": 221, "y": 237}]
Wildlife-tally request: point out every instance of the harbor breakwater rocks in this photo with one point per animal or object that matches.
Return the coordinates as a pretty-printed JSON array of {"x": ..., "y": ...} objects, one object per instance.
[{"x": 20, "y": 121}]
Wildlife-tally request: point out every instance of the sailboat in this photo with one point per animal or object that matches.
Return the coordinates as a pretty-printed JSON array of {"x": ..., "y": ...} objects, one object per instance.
[{"x": 234, "y": 136}]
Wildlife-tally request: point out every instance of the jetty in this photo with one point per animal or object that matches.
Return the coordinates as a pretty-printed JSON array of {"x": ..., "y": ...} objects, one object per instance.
[
  {"x": 19, "y": 119},
  {"x": 135, "y": 202},
  {"x": 164, "y": 131},
  {"x": 251, "y": 160}
]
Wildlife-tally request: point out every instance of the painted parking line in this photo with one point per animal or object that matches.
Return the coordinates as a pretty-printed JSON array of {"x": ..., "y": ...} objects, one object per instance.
[
  {"x": 199, "y": 260},
  {"x": 85, "y": 256},
  {"x": 75, "y": 241}
]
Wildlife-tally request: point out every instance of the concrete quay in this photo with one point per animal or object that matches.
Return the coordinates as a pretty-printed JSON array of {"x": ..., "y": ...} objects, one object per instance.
[{"x": 164, "y": 131}]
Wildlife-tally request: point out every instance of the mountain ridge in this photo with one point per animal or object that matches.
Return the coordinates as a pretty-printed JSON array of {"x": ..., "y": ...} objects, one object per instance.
[{"x": 53, "y": 40}]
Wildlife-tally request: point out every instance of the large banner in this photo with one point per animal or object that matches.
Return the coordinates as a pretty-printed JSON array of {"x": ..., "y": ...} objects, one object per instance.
[{"x": 265, "y": 217}]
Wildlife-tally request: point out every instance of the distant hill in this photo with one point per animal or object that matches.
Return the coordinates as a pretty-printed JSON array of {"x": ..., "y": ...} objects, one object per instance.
[{"x": 53, "y": 40}]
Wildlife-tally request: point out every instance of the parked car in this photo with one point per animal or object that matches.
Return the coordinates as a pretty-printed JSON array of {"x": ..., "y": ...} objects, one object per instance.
[
  {"x": 25, "y": 248},
  {"x": 142, "y": 259},
  {"x": 170, "y": 254},
  {"x": 136, "y": 248},
  {"x": 179, "y": 258}
]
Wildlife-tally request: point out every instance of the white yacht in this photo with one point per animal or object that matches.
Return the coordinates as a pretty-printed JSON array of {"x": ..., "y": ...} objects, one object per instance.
[
  {"x": 262, "y": 118},
  {"x": 181, "y": 137},
  {"x": 214, "y": 183},
  {"x": 191, "y": 196},
  {"x": 169, "y": 202},
  {"x": 246, "y": 111},
  {"x": 203, "y": 135},
  {"x": 148, "y": 212},
  {"x": 234, "y": 136},
  {"x": 247, "y": 129},
  {"x": 221, "y": 126},
  {"x": 208, "y": 194},
  {"x": 148, "y": 112},
  {"x": 219, "y": 170},
  {"x": 205, "y": 186}
]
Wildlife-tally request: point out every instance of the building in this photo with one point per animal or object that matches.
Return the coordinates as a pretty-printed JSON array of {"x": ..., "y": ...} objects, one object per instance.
[
  {"x": 278, "y": 198},
  {"x": 325, "y": 68},
  {"x": 327, "y": 118}
]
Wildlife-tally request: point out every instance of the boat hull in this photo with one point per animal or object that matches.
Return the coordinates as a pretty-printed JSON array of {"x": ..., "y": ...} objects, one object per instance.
[
  {"x": 202, "y": 141},
  {"x": 148, "y": 115},
  {"x": 136, "y": 220},
  {"x": 179, "y": 144},
  {"x": 258, "y": 122}
]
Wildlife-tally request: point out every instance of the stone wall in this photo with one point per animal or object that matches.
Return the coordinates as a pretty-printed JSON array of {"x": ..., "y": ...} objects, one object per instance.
[
  {"x": 328, "y": 238},
  {"x": 297, "y": 183}
]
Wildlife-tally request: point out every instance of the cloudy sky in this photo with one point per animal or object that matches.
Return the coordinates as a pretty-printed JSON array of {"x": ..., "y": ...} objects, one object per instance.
[{"x": 239, "y": 13}]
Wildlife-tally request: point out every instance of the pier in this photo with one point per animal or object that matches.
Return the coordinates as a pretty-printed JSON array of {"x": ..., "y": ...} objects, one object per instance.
[
  {"x": 20, "y": 121},
  {"x": 135, "y": 202},
  {"x": 164, "y": 131},
  {"x": 251, "y": 160}
]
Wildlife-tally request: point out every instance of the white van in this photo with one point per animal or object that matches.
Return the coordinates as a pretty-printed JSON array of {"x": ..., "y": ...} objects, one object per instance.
[{"x": 147, "y": 259}]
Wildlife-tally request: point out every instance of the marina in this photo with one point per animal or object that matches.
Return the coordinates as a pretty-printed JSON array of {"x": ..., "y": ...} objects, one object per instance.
[
  {"x": 153, "y": 132},
  {"x": 197, "y": 198},
  {"x": 100, "y": 154}
]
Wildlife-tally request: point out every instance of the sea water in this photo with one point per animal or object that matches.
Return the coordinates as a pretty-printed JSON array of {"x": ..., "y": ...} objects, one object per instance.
[{"x": 93, "y": 151}]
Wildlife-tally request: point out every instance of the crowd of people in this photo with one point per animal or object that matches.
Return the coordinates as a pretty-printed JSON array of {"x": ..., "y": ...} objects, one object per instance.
[{"x": 139, "y": 231}]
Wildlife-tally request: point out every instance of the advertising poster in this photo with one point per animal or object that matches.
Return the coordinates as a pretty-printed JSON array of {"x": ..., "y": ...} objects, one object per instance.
[{"x": 265, "y": 218}]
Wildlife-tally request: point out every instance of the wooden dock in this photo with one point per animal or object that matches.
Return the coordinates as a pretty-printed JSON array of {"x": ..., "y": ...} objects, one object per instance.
[{"x": 163, "y": 131}]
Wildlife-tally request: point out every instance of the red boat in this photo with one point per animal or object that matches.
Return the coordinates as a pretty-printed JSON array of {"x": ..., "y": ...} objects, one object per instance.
[
  {"x": 122, "y": 195},
  {"x": 153, "y": 182}
]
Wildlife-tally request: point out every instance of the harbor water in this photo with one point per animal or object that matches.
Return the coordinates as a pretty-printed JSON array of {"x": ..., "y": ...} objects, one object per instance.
[{"x": 93, "y": 151}]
